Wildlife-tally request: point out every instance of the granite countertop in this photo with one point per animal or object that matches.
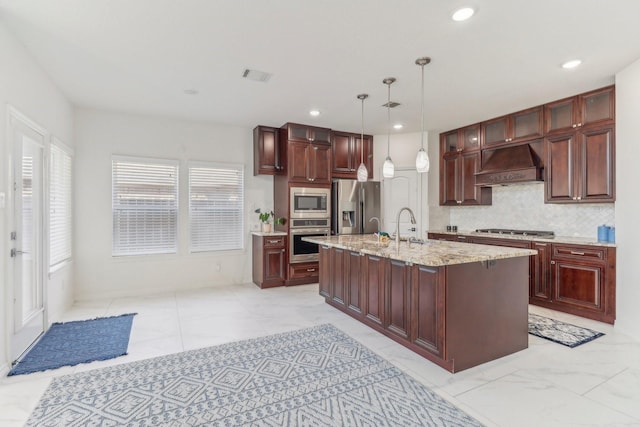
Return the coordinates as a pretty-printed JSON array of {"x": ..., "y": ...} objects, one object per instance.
[
  {"x": 557, "y": 239},
  {"x": 433, "y": 253},
  {"x": 271, "y": 233}
]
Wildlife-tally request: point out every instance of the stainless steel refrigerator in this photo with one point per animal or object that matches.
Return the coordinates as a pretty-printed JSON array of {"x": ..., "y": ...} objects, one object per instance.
[{"x": 353, "y": 204}]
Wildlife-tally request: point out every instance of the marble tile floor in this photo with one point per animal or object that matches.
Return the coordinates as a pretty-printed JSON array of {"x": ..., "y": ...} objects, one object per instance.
[{"x": 596, "y": 384}]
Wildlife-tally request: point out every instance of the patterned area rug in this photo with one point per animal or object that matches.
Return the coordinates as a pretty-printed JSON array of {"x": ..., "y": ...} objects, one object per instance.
[
  {"x": 83, "y": 341},
  {"x": 312, "y": 377},
  {"x": 560, "y": 332}
]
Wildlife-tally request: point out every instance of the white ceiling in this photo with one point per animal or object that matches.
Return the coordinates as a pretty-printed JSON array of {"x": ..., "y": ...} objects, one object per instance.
[{"x": 140, "y": 55}]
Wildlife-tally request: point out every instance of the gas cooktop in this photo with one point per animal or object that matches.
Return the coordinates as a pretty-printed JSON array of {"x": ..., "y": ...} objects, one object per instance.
[{"x": 503, "y": 231}]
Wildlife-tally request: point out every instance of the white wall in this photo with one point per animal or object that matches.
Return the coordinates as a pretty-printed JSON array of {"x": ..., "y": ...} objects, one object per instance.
[
  {"x": 627, "y": 198},
  {"x": 27, "y": 88},
  {"x": 101, "y": 134}
]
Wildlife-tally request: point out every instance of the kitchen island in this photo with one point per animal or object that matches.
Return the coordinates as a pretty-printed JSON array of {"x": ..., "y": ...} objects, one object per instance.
[{"x": 456, "y": 304}]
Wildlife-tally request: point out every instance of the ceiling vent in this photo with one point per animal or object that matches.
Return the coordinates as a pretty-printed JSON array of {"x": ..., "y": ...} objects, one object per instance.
[
  {"x": 258, "y": 76},
  {"x": 391, "y": 104}
]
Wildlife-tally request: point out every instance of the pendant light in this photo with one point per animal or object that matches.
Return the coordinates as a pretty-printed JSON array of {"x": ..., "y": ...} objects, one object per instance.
[
  {"x": 362, "y": 173},
  {"x": 422, "y": 159},
  {"x": 388, "y": 169}
]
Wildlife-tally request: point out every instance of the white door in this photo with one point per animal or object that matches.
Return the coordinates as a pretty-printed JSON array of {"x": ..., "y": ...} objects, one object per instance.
[
  {"x": 27, "y": 245},
  {"x": 400, "y": 191}
]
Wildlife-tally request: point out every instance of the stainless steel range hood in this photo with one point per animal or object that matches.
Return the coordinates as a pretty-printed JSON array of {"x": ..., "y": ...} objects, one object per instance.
[{"x": 509, "y": 165}]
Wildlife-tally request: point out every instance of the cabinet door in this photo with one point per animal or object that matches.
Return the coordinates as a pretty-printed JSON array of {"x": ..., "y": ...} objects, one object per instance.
[
  {"x": 296, "y": 132},
  {"x": 266, "y": 151},
  {"x": 578, "y": 285},
  {"x": 373, "y": 287},
  {"x": 597, "y": 162},
  {"x": 540, "y": 284},
  {"x": 527, "y": 125},
  {"x": 398, "y": 298},
  {"x": 561, "y": 116},
  {"x": 427, "y": 311},
  {"x": 597, "y": 107},
  {"x": 495, "y": 131},
  {"x": 274, "y": 267},
  {"x": 470, "y": 193},
  {"x": 320, "y": 164},
  {"x": 354, "y": 282},
  {"x": 338, "y": 294},
  {"x": 559, "y": 169},
  {"x": 298, "y": 161},
  {"x": 450, "y": 173},
  {"x": 342, "y": 154},
  {"x": 470, "y": 137},
  {"x": 449, "y": 142},
  {"x": 324, "y": 279},
  {"x": 320, "y": 135}
]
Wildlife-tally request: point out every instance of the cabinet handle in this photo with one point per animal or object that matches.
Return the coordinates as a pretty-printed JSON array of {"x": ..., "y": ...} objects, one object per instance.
[
  {"x": 553, "y": 263},
  {"x": 574, "y": 125},
  {"x": 274, "y": 241},
  {"x": 579, "y": 124},
  {"x": 459, "y": 150},
  {"x": 311, "y": 270},
  {"x": 579, "y": 198},
  {"x": 462, "y": 237},
  {"x": 315, "y": 148},
  {"x": 282, "y": 250},
  {"x": 577, "y": 253},
  {"x": 458, "y": 201}
]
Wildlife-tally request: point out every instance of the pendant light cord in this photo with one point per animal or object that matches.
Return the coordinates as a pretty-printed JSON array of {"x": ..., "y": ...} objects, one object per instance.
[
  {"x": 388, "y": 117},
  {"x": 362, "y": 134},
  {"x": 422, "y": 111}
]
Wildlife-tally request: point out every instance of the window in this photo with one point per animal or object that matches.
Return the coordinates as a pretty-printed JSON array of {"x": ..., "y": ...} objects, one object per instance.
[
  {"x": 145, "y": 206},
  {"x": 60, "y": 204},
  {"x": 216, "y": 207}
]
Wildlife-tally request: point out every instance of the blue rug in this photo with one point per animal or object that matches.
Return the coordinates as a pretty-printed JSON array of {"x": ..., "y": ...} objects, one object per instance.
[
  {"x": 83, "y": 341},
  {"x": 313, "y": 377}
]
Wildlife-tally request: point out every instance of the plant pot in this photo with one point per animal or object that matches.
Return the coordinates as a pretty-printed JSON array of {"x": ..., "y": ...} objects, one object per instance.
[{"x": 266, "y": 227}]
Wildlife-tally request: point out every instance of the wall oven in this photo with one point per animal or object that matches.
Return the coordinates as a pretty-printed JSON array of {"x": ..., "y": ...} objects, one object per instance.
[
  {"x": 301, "y": 251},
  {"x": 310, "y": 202}
]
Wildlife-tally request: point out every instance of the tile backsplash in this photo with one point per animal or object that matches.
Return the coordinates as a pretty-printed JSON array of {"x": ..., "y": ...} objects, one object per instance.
[{"x": 522, "y": 207}]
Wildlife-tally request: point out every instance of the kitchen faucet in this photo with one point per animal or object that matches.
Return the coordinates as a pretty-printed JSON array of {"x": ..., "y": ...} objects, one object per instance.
[
  {"x": 378, "y": 222},
  {"x": 413, "y": 221}
]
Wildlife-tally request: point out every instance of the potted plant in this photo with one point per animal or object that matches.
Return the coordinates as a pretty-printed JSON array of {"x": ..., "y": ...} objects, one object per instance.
[{"x": 264, "y": 219}]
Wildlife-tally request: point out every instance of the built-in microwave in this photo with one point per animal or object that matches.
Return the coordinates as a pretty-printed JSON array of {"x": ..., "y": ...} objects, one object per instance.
[{"x": 309, "y": 202}]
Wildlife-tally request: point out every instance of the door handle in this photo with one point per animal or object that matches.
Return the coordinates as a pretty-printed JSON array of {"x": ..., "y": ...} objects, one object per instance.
[
  {"x": 15, "y": 253},
  {"x": 412, "y": 229}
]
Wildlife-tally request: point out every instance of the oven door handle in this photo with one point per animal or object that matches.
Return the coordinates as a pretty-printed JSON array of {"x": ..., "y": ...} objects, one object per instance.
[{"x": 326, "y": 231}]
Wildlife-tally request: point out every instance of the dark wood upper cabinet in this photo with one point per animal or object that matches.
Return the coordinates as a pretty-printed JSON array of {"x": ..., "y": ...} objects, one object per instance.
[
  {"x": 298, "y": 132},
  {"x": 521, "y": 126},
  {"x": 580, "y": 166},
  {"x": 464, "y": 139},
  {"x": 309, "y": 162},
  {"x": 593, "y": 108},
  {"x": 458, "y": 180},
  {"x": 347, "y": 153},
  {"x": 267, "y": 151}
]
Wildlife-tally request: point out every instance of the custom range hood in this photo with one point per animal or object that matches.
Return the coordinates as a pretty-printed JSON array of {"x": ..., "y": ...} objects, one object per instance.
[{"x": 509, "y": 165}]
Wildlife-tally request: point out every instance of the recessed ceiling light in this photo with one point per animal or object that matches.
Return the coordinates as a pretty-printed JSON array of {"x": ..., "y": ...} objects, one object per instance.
[
  {"x": 191, "y": 91},
  {"x": 571, "y": 64},
  {"x": 398, "y": 126},
  {"x": 463, "y": 14},
  {"x": 314, "y": 113}
]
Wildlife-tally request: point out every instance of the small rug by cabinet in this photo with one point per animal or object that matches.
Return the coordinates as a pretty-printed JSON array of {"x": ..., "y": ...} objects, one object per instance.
[
  {"x": 560, "y": 332},
  {"x": 82, "y": 341},
  {"x": 316, "y": 376}
]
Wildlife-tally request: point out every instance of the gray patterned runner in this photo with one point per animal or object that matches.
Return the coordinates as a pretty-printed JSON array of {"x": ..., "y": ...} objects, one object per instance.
[{"x": 317, "y": 376}]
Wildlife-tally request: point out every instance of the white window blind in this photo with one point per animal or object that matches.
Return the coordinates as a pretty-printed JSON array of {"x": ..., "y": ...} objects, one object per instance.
[
  {"x": 145, "y": 206},
  {"x": 60, "y": 205},
  {"x": 216, "y": 207}
]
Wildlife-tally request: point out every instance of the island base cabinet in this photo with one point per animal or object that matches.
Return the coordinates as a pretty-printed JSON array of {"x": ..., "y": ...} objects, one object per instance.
[
  {"x": 427, "y": 309},
  {"x": 486, "y": 310},
  {"x": 456, "y": 316},
  {"x": 373, "y": 289}
]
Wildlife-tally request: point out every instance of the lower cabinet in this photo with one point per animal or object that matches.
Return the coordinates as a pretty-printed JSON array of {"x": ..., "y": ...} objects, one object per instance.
[
  {"x": 540, "y": 284},
  {"x": 269, "y": 261},
  {"x": 324, "y": 278},
  {"x": 353, "y": 281},
  {"x": 373, "y": 289},
  {"x": 303, "y": 272},
  {"x": 427, "y": 309},
  {"x": 583, "y": 281},
  {"x": 397, "y": 290},
  {"x": 338, "y": 291}
]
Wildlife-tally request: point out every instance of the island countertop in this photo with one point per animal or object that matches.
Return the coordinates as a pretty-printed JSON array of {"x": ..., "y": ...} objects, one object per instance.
[{"x": 431, "y": 253}]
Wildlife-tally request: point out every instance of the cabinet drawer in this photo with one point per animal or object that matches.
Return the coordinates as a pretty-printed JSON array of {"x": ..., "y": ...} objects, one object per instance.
[
  {"x": 591, "y": 253},
  {"x": 274, "y": 242},
  {"x": 300, "y": 271}
]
